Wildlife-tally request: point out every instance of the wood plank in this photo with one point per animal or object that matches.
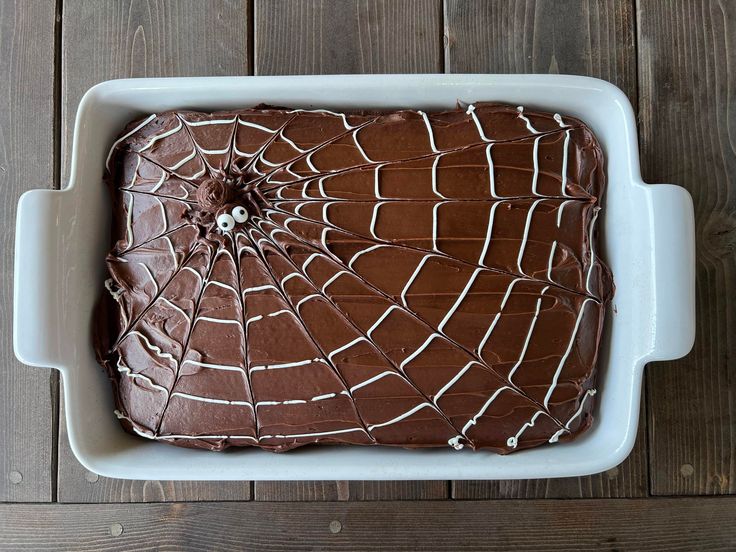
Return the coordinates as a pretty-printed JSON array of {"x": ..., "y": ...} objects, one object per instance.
[
  {"x": 348, "y": 36},
  {"x": 628, "y": 524},
  {"x": 593, "y": 38},
  {"x": 688, "y": 121},
  {"x": 144, "y": 39},
  {"x": 349, "y": 490},
  {"x": 28, "y": 396}
]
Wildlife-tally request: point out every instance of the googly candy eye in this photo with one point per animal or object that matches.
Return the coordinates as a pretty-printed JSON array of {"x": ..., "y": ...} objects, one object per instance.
[
  {"x": 225, "y": 222},
  {"x": 240, "y": 214}
]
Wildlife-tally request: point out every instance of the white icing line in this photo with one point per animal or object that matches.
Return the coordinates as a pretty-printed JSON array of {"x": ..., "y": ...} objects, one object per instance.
[
  {"x": 341, "y": 115},
  {"x": 429, "y": 131},
  {"x": 175, "y": 307},
  {"x": 413, "y": 277},
  {"x": 221, "y": 285},
  {"x": 150, "y": 276},
  {"x": 197, "y": 274},
  {"x": 474, "y": 419},
  {"x": 214, "y": 151},
  {"x": 173, "y": 253},
  {"x": 527, "y": 226},
  {"x": 454, "y": 380},
  {"x": 129, "y": 222},
  {"x": 319, "y": 434},
  {"x": 419, "y": 351},
  {"x": 360, "y": 148},
  {"x": 402, "y": 416},
  {"x": 363, "y": 252},
  {"x": 380, "y": 319},
  {"x": 556, "y": 436},
  {"x": 460, "y": 299},
  {"x": 374, "y": 218},
  {"x": 535, "y": 157},
  {"x": 135, "y": 174},
  {"x": 373, "y": 379},
  {"x": 592, "y": 252},
  {"x": 217, "y": 320},
  {"x": 283, "y": 365},
  {"x": 123, "y": 369},
  {"x": 523, "y": 117},
  {"x": 290, "y": 276},
  {"x": 551, "y": 259},
  {"x": 514, "y": 441},
  {"x": 564, "y": 164},
  {"x": 259, "y": 127},
  {"x": 567, "y": 353},
  {"x": 332, "y": 279},
  {"x": 292, "y": 144},
  {"x": 160, "y": 183},
  {"x": 376, "y": 184},
  {"x": 136, "y": 129},
  {"x": 434, "y": 176},
  {"x": 209, "y": 400},
  {"x": 163, "y": 216},
  {"x": 346, "y": 346},
  {"x": 491, "y": 173},
  {"x": 455, "y": 443},
  {"x": 471, "y": 112},
  {"x": 559, "y": 211},
  {"x": 307, "y": 298},
  {"x": 208, "y": 122},
  {"x": 324, "y": 213},
  {"x": 528, "y": 335},
  {"x": 434, "y": 225},
  {"x": 162, "y": 136},
  {"x": 489, "y": 230},
  {"x": 308, "y": 160},
  {"x": 263, "y": 287},
  {"x": 156, "y": 350},
  {"x": 183, "y": 161},
  {"x": 225, "y": 367},
  {"x": 498, "y": 314}
]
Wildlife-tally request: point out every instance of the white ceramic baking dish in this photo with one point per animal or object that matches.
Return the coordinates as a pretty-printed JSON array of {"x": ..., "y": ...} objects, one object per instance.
[{"x": 62, "y": 236}]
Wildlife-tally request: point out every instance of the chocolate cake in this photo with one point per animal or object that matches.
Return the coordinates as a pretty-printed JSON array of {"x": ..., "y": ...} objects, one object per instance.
[{"x": 282, "y": 277}]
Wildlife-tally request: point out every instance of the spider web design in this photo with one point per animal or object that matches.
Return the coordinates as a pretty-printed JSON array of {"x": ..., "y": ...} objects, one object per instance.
[{"x": 412, "y": 279}]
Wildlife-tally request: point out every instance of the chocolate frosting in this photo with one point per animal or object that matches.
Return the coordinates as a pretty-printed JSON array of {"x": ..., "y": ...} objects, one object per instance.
[{"x": 284, "y": 277}]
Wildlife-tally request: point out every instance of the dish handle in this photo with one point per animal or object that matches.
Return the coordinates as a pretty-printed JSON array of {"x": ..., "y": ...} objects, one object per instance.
[
  {"x": 673, "y": 236},
  {"x": 37, "y": 316}
]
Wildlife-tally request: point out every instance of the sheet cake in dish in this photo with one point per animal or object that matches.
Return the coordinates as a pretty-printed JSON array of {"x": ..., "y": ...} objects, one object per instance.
[{"x": 282, "y": 277}]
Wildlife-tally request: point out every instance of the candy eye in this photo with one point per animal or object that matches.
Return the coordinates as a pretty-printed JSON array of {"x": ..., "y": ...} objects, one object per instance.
[
  {"x": 225, "y": 222},
  {"x": 240, "y": 214}
]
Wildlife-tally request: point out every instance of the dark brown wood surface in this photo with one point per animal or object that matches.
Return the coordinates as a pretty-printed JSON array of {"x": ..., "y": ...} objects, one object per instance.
[
  {"x": 674, "y": 60},
  {"x": 593, "y": 38},
  {"x": 108, "y": 40},
  {"x": 307, "y": 37},
  {"x": 687, "y": 81},
  {"x": 629, "y": 524},
  {"x": 27, "y": 395}
]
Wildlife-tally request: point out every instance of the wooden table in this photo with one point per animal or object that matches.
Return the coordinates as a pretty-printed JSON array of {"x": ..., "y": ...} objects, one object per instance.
[{"x": 675, "y": 60}]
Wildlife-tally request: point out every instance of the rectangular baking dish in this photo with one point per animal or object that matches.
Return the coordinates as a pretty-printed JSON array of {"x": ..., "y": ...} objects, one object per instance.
[{"x": 62, "y": 238}]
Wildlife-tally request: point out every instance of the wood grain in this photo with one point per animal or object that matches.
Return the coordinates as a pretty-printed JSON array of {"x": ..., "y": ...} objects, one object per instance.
[
  {"x": 27, "y": 395},
  {"x": 579, "y": 37},
  {"x": 347, "y": 36},
  {"x": 349, "y": 490},
  {"x": 582, "y": 37},
  {"x": 628, "y": 524},
  {"x": 118, "y": 39},
  {"x": 687, "y": 52}
]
